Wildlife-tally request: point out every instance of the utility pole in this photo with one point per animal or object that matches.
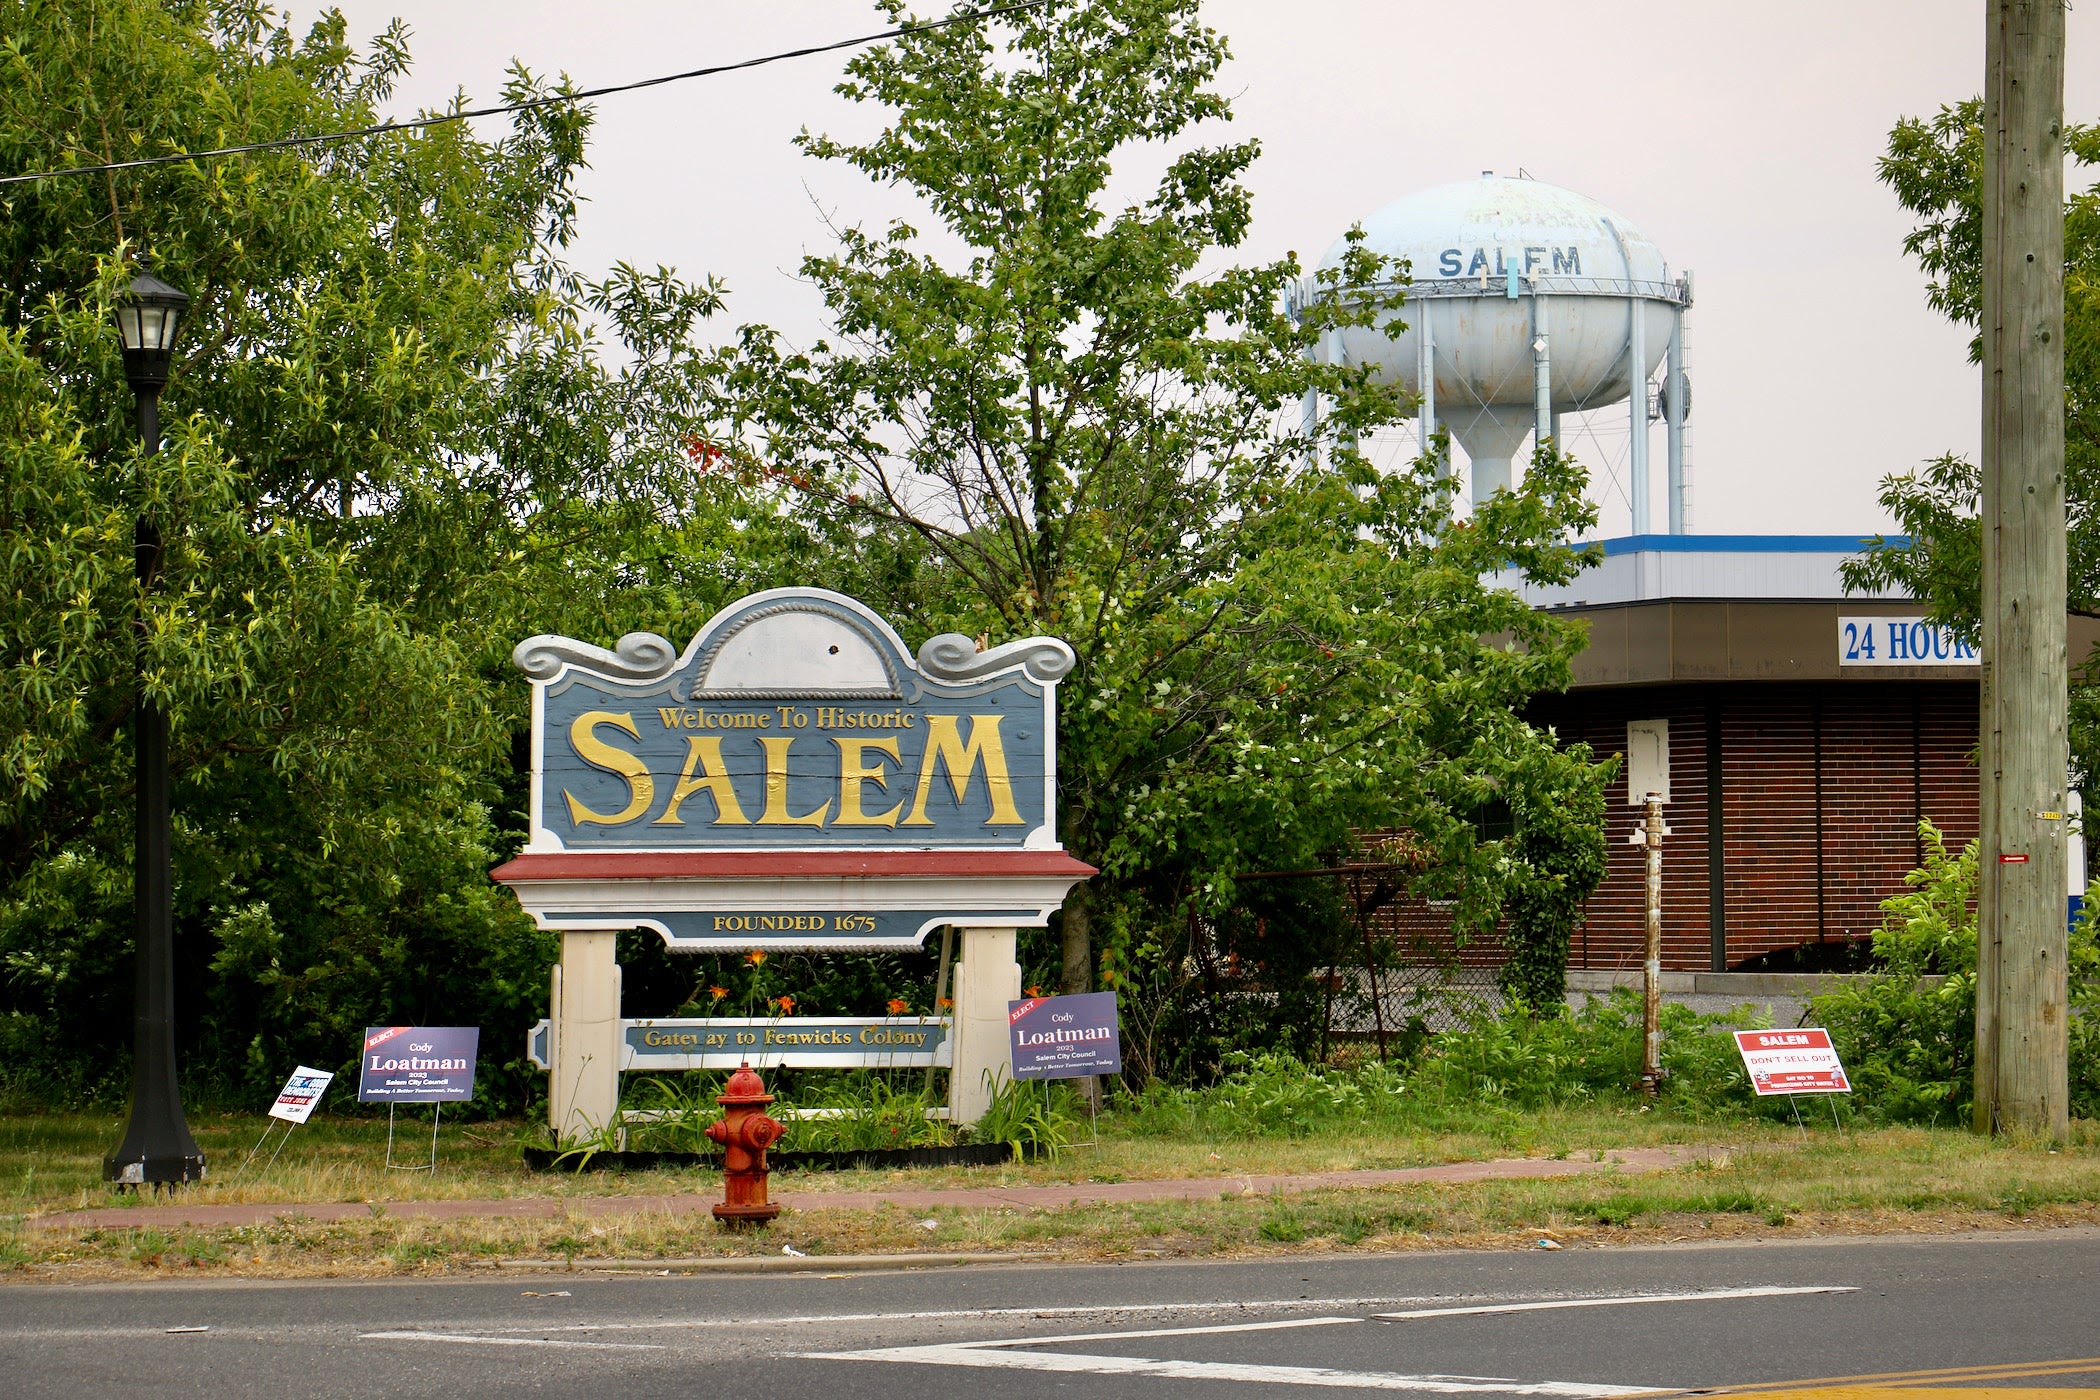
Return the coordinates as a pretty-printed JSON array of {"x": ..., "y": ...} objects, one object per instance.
[{"x": 2021, "y": 1077}]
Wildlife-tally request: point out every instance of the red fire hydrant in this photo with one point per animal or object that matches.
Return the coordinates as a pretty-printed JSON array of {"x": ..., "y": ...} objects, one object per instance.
[{"x": 745, "y": 1133}]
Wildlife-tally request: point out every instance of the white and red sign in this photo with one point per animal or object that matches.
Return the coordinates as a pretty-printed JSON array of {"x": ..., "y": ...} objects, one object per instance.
[
  {"x": 1800, "y": 1061},
  {"x": 295, "y": 1103}
]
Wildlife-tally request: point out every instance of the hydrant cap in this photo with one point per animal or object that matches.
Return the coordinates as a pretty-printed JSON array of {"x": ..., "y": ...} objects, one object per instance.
[{"x": 744, "y": 1087}]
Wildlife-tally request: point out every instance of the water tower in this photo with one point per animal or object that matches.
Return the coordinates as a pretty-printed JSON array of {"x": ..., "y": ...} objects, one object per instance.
[{"x": 1528, "y": 301}]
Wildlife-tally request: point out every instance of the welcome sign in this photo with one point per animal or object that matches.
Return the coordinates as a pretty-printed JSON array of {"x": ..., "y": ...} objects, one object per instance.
[
  {"x": 795, "y": 719},
  {"x": 794, "y": 778}
]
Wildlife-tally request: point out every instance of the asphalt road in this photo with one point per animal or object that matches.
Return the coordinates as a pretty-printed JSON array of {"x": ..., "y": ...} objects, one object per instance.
[{"x": 2010, "y": 1313}]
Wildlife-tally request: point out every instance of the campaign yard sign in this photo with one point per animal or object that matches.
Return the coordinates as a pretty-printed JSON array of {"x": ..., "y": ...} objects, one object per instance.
[
  {"x": 418, "y": 1064},
  {"x": 301, "y": 1093},
  {"x": 1064, "y": 1037},
  {"x": 1800, "y": 1061}
]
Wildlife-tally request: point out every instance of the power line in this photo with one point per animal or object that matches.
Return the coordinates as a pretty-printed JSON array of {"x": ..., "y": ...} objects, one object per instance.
[{"x": 505, "y": 109}]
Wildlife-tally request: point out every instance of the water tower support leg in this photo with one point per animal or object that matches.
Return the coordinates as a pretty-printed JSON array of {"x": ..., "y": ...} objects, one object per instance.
[
  {"x": 1425, "y": 375},
  {"x": 1542, "y": 371},
  {"x": 1637, "y": 409}
]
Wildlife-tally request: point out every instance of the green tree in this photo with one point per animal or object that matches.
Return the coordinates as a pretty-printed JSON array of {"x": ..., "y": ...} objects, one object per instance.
[
  {"x": 1935, "y": 167},
  {"x": 396, "y": 445},
  {"x": 1067, "y": 412}
]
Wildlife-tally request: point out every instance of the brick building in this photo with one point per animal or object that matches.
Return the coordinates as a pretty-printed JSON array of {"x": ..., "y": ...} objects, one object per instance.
[{"x": 1801, "y": 754}]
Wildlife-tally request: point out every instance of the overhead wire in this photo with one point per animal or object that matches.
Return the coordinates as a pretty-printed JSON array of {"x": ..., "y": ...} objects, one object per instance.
[{"x": 532, "y": 104}]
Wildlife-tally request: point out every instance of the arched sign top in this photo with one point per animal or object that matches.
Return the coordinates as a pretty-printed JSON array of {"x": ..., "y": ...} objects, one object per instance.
[{"x": 796, "y": 719}]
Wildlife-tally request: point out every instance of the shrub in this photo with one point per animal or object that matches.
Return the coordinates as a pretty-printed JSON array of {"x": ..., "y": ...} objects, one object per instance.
[
  {"x": 1591, "y": 1054},
  {"x": 1908, "y": 1034}
]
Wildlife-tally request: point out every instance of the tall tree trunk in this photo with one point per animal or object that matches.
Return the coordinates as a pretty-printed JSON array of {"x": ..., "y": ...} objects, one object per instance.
[{"x": 1078, "y": 930}]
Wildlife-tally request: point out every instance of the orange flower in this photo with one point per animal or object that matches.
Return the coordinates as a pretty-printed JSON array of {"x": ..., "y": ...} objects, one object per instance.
[
  {"x": 1032, "y": 992},
  {"x": 785, "y": 1005},
  {"x": 898, "y": 1006},
  {"x": 717, "y": 993},
  {"x": 945, "y": 1003},
  {"x": 755, "y": 957}
]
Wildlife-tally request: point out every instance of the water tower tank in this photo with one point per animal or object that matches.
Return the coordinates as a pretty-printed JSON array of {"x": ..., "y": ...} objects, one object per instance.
[{"x": 1529, "y": 301}]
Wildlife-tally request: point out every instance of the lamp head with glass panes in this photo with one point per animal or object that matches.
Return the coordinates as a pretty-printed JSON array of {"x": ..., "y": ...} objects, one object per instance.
[{"x": 147, "y": 319}]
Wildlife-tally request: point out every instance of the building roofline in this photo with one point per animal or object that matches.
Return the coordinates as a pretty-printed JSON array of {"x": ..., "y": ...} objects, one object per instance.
[{"x": 1747, "y": 544}]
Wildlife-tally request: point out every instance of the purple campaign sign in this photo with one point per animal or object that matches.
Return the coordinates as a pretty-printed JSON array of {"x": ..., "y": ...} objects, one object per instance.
[
  {"x": 1064, "y": 1037},
  {"x": 417, "y": 1064}
]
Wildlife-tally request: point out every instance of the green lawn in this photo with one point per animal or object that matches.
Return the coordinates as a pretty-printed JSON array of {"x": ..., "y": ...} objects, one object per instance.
[{"x": 1759, "y": 1177}]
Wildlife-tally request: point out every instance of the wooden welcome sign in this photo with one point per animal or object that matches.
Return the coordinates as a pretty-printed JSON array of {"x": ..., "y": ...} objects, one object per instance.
[{"x": 794, "y": 778}]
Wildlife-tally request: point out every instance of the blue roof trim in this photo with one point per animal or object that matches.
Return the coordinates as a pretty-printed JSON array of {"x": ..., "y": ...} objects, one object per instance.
[{"x": 1747, "y": 544}]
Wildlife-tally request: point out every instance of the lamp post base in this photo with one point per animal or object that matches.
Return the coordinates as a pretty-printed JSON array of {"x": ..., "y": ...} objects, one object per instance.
[{"x": 157, "y": 1169}]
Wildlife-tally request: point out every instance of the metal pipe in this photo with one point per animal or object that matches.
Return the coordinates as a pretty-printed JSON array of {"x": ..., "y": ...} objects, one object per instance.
[{"x": 1676, "y": 400}]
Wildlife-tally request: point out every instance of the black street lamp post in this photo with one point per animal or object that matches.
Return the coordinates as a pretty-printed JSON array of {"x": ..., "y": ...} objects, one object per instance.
[{"x": 157, "y": 1149}]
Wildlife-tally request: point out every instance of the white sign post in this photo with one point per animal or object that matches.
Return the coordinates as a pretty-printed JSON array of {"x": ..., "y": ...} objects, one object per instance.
[
  {"x": 1648, "y": 783},
  {"x": 295, "y": 1104}
]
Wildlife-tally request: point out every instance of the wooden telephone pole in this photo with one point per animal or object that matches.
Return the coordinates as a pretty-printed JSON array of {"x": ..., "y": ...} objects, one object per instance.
[{"x": 2021, "y": 1048}]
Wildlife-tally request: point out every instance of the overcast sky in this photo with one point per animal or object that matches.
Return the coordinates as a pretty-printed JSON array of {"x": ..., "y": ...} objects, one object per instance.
[{"x": 1741, "y": 138}]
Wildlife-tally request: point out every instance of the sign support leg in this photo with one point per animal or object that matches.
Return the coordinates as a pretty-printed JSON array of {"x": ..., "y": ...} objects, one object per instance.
[
  {"x": 987, "y": 978},
  {"x": 280, "y": 1146},
  {"x": 584, "y": 1082},
  {"x": 940, "y": 986},
  {"x": 268, "y": 1128}
]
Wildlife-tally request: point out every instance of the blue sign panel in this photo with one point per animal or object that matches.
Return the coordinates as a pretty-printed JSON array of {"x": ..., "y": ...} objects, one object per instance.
[
  {"x": 417, "y": 1064},
  {"x": 699, "y": 930},
  {"x": 799, "y": 1042},
  {"x": 795, "y": 720},
  {"x": 1064, "y": 1037}
]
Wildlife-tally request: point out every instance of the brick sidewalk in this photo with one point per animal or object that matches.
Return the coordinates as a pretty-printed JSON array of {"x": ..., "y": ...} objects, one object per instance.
[{"x": 1623, "y": 1161}]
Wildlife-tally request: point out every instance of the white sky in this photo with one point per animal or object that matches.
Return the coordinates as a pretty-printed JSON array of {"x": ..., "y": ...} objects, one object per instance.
[{"x": 1741, "y": 138}]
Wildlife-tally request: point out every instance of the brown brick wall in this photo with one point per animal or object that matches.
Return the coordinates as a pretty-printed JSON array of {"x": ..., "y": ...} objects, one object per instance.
[{"x": 1853, "y": 764}]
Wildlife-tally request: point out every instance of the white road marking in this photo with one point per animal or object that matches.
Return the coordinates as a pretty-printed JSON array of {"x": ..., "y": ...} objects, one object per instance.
[
  {"x": 1012, "y": 1353},
  {"x": 1278, "y": 1326},
  {"x": 473, "y": 1340},
  {"x": 1706, "y": 1296},
  {"x": 1066, "y": 1363},
  {"x": 967, "y": 1314}
]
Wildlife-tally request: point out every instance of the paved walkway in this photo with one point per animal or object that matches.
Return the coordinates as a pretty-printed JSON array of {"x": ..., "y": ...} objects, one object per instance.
[{"x": 1625, "y": 1160}]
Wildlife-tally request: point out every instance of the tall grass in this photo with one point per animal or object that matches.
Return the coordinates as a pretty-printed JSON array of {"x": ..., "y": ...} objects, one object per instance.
[{"x": 1512, "y": 1062}]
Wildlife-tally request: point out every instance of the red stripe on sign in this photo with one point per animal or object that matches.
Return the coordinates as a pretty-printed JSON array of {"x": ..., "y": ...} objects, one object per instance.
[
  {"x": 724, "y": 864},
  {"x": 2013, "y": 858}
]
